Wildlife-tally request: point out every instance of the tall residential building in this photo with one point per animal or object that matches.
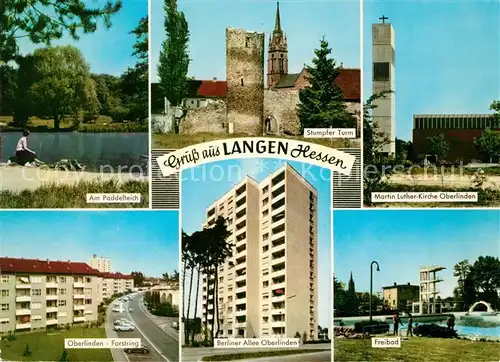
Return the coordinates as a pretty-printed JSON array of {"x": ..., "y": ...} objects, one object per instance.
[
  {"x": 116, "y": 283},
  {"x": 268, "y": 288},
  {"x": 101, "y": 264},
  {"x": 36, "y": 294}
]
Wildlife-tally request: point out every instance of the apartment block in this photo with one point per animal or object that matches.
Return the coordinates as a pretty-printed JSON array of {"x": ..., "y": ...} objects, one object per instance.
[
  {"x": 36, "y": 294},
  {"x": 101, "y": 264},
  {"x": 268, "y": 288},
  {"x": 116, "y": 283}
]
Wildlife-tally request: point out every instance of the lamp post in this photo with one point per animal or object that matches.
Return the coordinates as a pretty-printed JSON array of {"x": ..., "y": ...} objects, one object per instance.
[{"x": 371, "y": 285}]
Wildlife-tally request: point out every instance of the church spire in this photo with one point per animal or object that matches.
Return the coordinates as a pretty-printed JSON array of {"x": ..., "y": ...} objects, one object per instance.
[{"x": 277, "y": 24}]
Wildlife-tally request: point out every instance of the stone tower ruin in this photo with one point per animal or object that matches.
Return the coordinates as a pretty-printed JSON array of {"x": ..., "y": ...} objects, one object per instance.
[{"x": 245, "y": 81}]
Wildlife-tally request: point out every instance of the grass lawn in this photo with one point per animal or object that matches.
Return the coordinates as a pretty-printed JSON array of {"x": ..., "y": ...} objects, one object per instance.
[
  {"x": 177, "y": 141},
  {"x": 49, "y": 346},
  {"x": 249, "y": 355},
  {"x": 418, "y": 349},
  {"x": 73, "y": 196},
  {"x": 102, "y": 124}
]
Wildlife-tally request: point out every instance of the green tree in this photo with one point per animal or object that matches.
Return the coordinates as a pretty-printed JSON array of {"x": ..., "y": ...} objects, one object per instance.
[
  {"x": 376, "y": 164},
  {"x": 489, "y": 143},
  {"x": 174, "y": 58},
  {"x": 322, "y": 103},
  {"x": 42, "y": 21},
  {"x": 108, "y": 93},
  {"x": 486, "y": 278},
  {"x": 8, "y": 86},
  {"x": 61, "y": 84},
  {"x": 460, "y": 271},
  {"x": 438, "y": 146},
  {"x": 495, "y": 107},
  {"x": 64, "y": 356},
  {"x": 134, "y": 82},
  {"x": 27, "y": 351},
  {"x": 139, "y": 278},
  {"x": 340, "y": 296}
]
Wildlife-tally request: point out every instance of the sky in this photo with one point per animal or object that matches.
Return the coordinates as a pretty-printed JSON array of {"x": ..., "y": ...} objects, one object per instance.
[
  {"x": 142, "y": 241},
  {"x": 110, "y": 50},
  {"x": 447, "y": 56},
  {"x": 403, "y": 240},
  {"x": 203, "y": 185},
  {"x": 304, "y": 23}
]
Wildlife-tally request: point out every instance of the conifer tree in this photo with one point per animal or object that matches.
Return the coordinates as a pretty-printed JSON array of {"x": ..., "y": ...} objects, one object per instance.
[
  {"x": 322, "y": 103},
  {"x": 174, "y": 58}
]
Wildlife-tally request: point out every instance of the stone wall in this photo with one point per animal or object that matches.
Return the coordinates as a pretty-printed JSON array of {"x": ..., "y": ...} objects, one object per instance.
[
  {"x": 245, "y": 81},
  {"x": 210, "y": 119},
  {"x": 283, "y": 106}
]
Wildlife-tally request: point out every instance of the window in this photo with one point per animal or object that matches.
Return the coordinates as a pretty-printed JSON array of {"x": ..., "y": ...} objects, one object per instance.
[
  {"x": 61, "y": 303},
  {"x": 381, "y": 72},
  {"x": 88, "y": 280},
  {"x": 265, "y": 213},
  {"x": 62, "y": 279},
  {"x": 5, "y": 306},
  {"x": 88, "y": 290},
  {"x": 5, "y": 292},
  {"x": 5, "y": 278},
  {"x": 36, "y": 305},
  {"x": 198, "y": 103},
  {"x": 36, "y": 292},
  {"x": 37, "y": 279},
  {"x": 88, "y": 301},
  {"x": 62, "y": 291}
]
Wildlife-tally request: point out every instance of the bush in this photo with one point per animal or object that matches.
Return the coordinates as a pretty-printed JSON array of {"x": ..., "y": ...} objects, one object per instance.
[
  {"x": 435, "y": 331},
  {"x": 27, "y": 351},
  {"x": 372, "y": 327}
]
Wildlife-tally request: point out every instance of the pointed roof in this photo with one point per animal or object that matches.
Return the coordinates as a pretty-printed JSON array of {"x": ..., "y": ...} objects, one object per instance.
[{"x": 277, "y": 24}]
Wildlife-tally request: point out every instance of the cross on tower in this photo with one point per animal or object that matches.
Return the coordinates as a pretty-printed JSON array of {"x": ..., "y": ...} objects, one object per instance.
[{"x": 383, "y": 18}]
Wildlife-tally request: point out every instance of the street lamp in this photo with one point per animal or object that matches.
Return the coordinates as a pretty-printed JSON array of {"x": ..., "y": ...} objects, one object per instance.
[{"x": 371, "y": 285}]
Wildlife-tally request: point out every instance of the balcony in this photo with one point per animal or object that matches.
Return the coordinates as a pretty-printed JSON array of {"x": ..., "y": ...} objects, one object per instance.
[
  {"x": 279, "y": 298},
  {"x": 79, "y": 319},
  {"x": 277, "y": 311},
  {"x": 279, "y": 286},
  {"x": 241, "y": 289},
  {"x": 78, "y": 285},
  {"x": 278, "y": 324},
  {"x": 280, "y": 260},
  {"x": 23, "y": 326},
  {"x": 51, "y": 309},
  {"x": 79, "y": 307},
  {"x": 276, "y": 236},
  {"x": 23, "y": 298},
  {"x": 52, "y": 285},
  {"x": 24, "y": 311},
  {"x": 240, "y": 313},
  {"x": 51, "y": 297},
  {"x": 240, "y": 278},
  {"x": 79, "y": 296},
  {"x": 278, "y": 273},
  {"x": 23, "y": 286},
  {"x": 240, "y": 324},
  {"x": 51, "y": 322}
]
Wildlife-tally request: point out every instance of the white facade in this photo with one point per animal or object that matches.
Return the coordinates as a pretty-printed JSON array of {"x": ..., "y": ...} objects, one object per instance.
[
  {"x": 383, "y": 80},
  {"x": 101, "y": 264}
]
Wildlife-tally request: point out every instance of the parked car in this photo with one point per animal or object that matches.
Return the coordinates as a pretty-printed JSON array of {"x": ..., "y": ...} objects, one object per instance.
[
  {"x": 124, "y": 328},
  {"x": 142, "y": 349}
]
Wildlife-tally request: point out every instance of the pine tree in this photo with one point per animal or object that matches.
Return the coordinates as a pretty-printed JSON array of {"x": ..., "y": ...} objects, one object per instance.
[
  {"x": 27, "y": 351},
  {"x": 322, "y": 103},
  {"x": 64, "y": 357},
  {"x": 174, "y": 58}
]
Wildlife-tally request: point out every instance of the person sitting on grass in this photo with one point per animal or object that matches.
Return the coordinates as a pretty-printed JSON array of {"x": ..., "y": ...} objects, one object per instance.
[{"x": 23, "y": 154}]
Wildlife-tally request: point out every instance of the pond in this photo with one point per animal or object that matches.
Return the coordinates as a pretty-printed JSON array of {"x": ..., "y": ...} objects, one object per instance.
[{"x": 91, "y": 149}]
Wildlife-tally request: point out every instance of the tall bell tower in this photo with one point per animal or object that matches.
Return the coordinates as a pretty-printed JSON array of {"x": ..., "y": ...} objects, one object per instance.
[{"x": 277, "y": 54}]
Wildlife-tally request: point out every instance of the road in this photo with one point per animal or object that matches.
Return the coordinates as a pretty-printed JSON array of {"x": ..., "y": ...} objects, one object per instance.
[
  {"x": 161, "y": 341},
  {"x": 196, "y": 354}
]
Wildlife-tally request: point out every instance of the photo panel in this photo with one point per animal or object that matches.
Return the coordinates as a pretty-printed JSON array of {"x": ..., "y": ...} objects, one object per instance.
[
  {"x": 248, "y": 71},
  {"x": 256, "y": 255},
  {"x": 94, "y": 286},
  {"x": 432, "y": 112},
  {"x": 74, "y": 120},
  {"x": 419, "y": 283}
]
